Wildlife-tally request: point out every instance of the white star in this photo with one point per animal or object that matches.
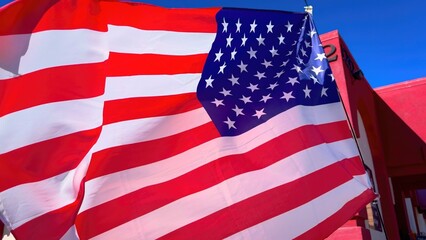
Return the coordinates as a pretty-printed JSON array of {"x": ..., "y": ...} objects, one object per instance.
[
  {"x": 238, "y": 26},
  {"x": 269, "y": 26},
  {"x": 267, "y": 63},
  {"x": 274, "y": 51},
  {"x": 234, "y": 80},
  {"x": 243, "y": 40},
  {"x": 265, "y": 98},
  {"x": 332, "y": 77},
  {"x": 245, "y": 99},
  {"x": 312, "y": 33},
  {"x": 238, "y": 111},
  {"x": 253, "y": 26},
  {"x": 260, "y": 75},
  {"x": 307, "y": 44},
  {"x": 307, "y": 92},
  {"x": 226, "y": 92},
  {"x": 242, "y": 66},
  {"x": 320, "y": 56},
  {"x": 317, "y": 70},
  {"x": 289, "y": 53},
  {"x": 272, "y": 86},
  {"x": 285, "y": 63},
  {"x": 303, "y": 52},
  {"x": 288, "y": 26},
  {"x": 297, "y": 68},
  {"x": 260, "y": 40},
  {"x": 281, "y": 39},
  {"x": 324, "y": 92},
  {"x": 252, "y": 53},
  {"x": 233, "y": 53},
  {"x": 259, "y": 113},
  {"x": 292, "y": 81},
  {"x": 314, "y": 79},
  {"x": 218, "y": 55},
  {"x": 209, "y": 82},
  {"x": 278, "y": 75},
  {"x": 218, "y": 102},
  {"x": 225, "y": 25},
  {"x": 222, "y": 68},
  {"x": 253, "y": 87},
  {"x": 229, "y": 40},
  {"x": 230, "y": 123},
  {"x": 287, "y": 96},
  {"x": 300, "y": 60}
]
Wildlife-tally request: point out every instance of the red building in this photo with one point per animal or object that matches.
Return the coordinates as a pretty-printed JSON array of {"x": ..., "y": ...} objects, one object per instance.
[{"x": 389, "y": 123}]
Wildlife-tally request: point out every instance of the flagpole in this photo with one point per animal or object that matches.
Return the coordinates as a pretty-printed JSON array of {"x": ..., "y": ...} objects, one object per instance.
[
  {"x": 381, "y": 219},
  {"x": 309, "y": 8}
]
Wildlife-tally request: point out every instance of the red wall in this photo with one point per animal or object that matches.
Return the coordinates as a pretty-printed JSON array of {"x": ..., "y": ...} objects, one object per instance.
[{"x": 357, "y": 95}]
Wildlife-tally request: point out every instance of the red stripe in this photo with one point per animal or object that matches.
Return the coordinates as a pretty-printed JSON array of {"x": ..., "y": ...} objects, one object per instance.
[
  {"x": 138, "y": 154},
  {"x": 144, "y": 107},
  {"x": 124, "y": 64},
  {"x": 355, "y": 167},
  {"x": 51, "y": 85},
  {"x": 45, "y": 159},
  {"x": 140, "y": 202},
  {"x": 29, "y": 16},
  {"x": 52, "y": 225},
  {"x": 263, "y": 206},
  {"x": 111, "y": 160},
  {"x": 134, "y": 155},
  {"x": 151, "y": 17},
  {"x": 329, "y": 225}
]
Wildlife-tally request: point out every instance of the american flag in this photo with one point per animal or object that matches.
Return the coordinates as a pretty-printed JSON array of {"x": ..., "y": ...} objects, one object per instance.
[{"x": 131, "y": 121}]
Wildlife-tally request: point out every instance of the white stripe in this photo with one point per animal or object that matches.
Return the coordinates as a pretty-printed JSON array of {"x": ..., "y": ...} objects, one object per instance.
[
  {"x": 146, "y": 129},
  {"x": 150, "y": 85},
  {"x": 25, "y": 53},
  {"x": 318, "y": 210},
  {"x": 4, "y": 74},
  {"x": 48, "y": 121},
  {"x": 101, "y": 190},
  {"x": 198, "y": 205},
  {"x": 157, "y": 42},
  {"x": 31, "y": 52},
  {"x": 71, "y": 234},
  {"x": 31, "y": 200}
]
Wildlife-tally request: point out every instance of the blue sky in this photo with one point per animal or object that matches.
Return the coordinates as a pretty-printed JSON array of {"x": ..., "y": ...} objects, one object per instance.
[{"x": 387, "y": 38}]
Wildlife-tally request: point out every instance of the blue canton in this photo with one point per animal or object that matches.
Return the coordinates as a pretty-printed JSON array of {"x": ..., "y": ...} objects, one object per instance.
[{"x": 261, "y": 64}]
